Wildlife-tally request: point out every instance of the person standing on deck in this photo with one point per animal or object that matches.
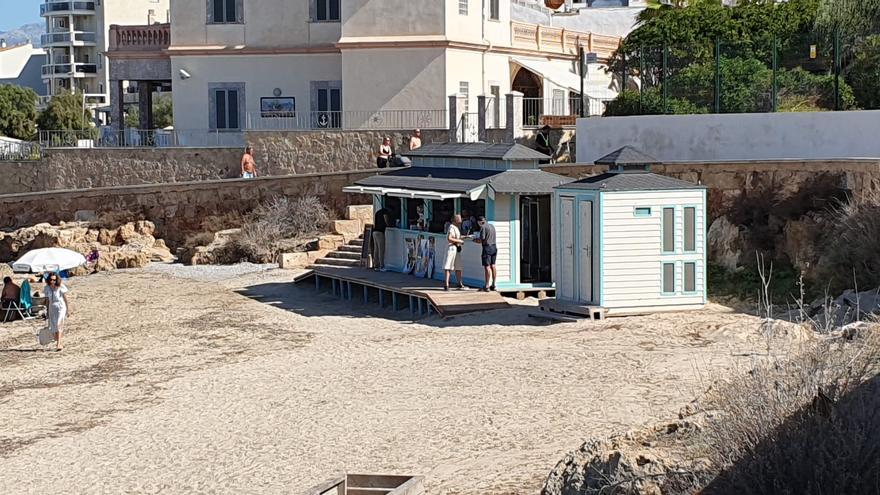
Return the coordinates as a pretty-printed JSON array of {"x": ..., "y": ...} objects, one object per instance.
[
  {"x": 380, "y": 223},
  {"x": 248, "y": 164},
  {"x": 453, "y": 252},
  {"x": 490, "y": 252}
]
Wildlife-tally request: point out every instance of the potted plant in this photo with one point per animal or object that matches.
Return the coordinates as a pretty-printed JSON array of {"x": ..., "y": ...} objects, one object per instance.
[{"x": 554, "y": 4}]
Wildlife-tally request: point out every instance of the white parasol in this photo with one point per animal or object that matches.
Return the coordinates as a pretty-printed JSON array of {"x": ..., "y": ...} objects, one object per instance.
[{"x": 48, "y": 259}]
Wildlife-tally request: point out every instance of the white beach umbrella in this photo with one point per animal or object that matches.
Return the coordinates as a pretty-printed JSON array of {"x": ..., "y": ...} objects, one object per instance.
[{"x": 48, "y": 259}]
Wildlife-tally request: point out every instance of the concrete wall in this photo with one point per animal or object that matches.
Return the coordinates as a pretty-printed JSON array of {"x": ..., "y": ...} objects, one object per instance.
[
  {"x": 407, "y": 79},
  {"x": 267, "y": 24},
  {"x": 261, "y": 74},
  {"x": 368, "y": 18},
  {"x": 177, "y": 209},
  {"x": 712, "y": 138}
]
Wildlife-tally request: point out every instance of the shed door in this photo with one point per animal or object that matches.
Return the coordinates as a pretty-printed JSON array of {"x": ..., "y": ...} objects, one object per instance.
[
  {"x": 566, "y": 275},
  {"x": 585, "y": 251}
]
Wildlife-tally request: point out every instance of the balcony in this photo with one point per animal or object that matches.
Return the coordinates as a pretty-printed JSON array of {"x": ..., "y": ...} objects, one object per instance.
[
  {"x": 97, "y": 100},
  {"x": 70, "y": 70},
  {"x": 68, "y": 38},
  {"x": 560, "y": 40},
  {"x": 155, "y": 37},
  {"x": 53, "y": 7}
]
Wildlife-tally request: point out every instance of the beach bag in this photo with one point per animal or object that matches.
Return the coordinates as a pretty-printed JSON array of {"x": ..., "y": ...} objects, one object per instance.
[{"x": 45, "y": 337}]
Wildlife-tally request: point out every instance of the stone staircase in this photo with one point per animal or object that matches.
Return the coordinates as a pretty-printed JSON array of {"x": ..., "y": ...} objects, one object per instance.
[{"x": 345, "y": 255}]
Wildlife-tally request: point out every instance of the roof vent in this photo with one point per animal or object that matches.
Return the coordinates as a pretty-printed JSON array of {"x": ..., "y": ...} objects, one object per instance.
[{"x": 627, "y": 160}]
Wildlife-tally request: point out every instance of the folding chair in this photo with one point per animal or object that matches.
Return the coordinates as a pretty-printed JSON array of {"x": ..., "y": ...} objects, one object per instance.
[{"x": 11, "y": 308}]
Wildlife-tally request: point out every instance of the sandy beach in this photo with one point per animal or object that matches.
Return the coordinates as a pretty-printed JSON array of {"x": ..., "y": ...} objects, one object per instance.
[{"x": 232, "y": 380}]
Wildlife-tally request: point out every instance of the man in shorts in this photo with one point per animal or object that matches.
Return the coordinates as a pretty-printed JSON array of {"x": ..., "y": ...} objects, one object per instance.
[
  {"x": 248, "y": 164},
  {"x": 490, "y": 252}
]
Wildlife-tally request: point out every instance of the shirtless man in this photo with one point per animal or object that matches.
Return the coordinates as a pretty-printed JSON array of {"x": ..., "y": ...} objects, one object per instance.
[{"x": 248, "y": 165}]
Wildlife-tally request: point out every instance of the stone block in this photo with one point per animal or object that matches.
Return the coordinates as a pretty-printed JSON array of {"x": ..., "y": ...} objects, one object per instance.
[
  {"x": 330, "y": 242},
  {"x": 316, "y": 255},
  {"x": 85, "y": 216},
  {"x": 289, "y": 261},
  {"x": 364, "y": 213},
  {"x": 350, "y": 227}
]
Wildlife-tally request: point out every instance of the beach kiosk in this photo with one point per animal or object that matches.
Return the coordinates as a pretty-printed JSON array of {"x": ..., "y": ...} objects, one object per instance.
[
  {"x": 500, "y": 181},
  {"x": 628, "y": 241}
]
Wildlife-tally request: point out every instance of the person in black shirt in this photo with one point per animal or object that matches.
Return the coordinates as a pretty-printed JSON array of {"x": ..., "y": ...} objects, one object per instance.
[{"x": 380, "y": 223}]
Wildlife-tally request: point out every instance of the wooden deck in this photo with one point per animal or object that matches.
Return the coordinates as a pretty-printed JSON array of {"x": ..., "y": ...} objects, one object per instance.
[{"x": 399, "y": 291}]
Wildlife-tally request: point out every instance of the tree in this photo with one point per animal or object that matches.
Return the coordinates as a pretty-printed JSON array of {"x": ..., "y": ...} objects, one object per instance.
[
  {"x": 18, "y": 111},
  {"x": 864, "y": 73},
  {"x": 163, "y": 113},
  {"x": 855, "y": 24},
  {"x": 66, "y": 112}
]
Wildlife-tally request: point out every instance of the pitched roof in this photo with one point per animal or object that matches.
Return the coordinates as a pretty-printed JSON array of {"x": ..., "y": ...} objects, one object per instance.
[
  {"x": 461, "y": 180},
  {"x": 627, "y": 156},
  {"x": 509, "y": 151},
  {"x": 526, "y": 182},
  {"x": 643, "y": 181}
]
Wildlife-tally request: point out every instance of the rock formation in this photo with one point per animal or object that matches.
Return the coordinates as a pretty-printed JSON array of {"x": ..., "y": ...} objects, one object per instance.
[{"x": 130, "y": 245}]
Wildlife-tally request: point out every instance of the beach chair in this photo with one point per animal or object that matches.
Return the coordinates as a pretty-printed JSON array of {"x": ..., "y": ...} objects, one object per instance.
[{"x": 12, "y": 308}]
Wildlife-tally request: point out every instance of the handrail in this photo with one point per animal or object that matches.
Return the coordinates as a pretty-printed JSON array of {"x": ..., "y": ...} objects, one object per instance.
[{"x": 140, "y": 38}]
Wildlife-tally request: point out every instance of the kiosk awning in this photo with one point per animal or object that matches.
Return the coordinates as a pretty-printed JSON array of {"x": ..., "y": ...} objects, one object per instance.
[{"x": 473, "y": 194}]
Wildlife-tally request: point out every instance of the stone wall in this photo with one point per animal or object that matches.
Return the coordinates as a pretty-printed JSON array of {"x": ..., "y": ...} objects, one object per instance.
[
  {"x": 727, "y": 181},
  {"x": 277, "y": 153},
  {"x": 179, "y": 208},
  {"x": 305, "y": 152}
]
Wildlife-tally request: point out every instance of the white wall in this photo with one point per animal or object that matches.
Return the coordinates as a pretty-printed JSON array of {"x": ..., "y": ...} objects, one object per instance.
[
  {"x": 394, "y": 79},
  {"x": 382, "y": 18},
  {"x": 631, "y": 250},
  {"x": 503, "y": 223},
  {"x": 606, "y": 21},
  {"x": 261, "y": 75},
  {"x": 760, "y": 136}
]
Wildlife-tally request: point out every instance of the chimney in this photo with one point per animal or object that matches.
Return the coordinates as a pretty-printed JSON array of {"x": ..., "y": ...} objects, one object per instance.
[{"x": 2, "y": 42}]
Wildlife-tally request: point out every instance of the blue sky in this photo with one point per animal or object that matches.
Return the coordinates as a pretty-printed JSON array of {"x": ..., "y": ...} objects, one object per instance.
[{"x": 14, "y": 13}]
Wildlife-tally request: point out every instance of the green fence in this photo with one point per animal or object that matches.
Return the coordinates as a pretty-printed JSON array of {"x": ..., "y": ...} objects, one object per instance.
[{"x": 798, "y": 73}]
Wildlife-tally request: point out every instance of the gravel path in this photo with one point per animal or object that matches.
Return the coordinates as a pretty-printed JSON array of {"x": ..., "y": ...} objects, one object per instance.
[{"x": 230, "y": 380}]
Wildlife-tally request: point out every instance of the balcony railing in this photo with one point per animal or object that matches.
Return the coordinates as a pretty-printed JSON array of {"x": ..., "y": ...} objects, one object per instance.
[
  {"x": 69, "y": 69},
  {"x": 561, "y": 40},
  {"x": 539, "y": 111},
  {"x": 140, "y": 38},
  {"x": 91, "y": 99},
  {"x": 49, "y": 39},
  {"x": 12, "y": 151},
  {"x": 348, "y": 120},
  {"x": 52, "y": 7}
]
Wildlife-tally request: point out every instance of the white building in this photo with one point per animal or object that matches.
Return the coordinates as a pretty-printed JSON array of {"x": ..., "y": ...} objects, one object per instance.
[
  {"x": 21, "y": 65},
  {"x": 77, "y": 37},
  {"x": 332, "y": 63}
]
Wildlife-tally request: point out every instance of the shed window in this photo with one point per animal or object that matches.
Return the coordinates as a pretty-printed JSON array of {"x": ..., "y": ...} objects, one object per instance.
[
  {"x": 643, "y": 212},
  {"x": 690, "y": 229},
  {"x": 668, "y": 230},
  {"x": 690, "y": 277},
  {"x": 668, "y": 278}
]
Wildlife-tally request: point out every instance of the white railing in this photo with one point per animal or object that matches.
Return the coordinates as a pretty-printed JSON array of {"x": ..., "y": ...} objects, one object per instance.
[
  {"x": 348, "y": 120},
  {"x": 137, "y": 138},
  {"x": 537, "y": 110},
  {"x": 92, "y": 99}
]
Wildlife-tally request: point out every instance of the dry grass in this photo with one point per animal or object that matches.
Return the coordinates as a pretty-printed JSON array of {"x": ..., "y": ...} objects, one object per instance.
[
  {"x": 851, "y": 244},
  {"x": 278, "y": 222},
  {"x": 808, "y": 424}
]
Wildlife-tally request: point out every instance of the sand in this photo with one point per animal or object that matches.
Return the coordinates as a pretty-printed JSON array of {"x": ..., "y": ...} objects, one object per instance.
[{"x": 178, "y": 380}]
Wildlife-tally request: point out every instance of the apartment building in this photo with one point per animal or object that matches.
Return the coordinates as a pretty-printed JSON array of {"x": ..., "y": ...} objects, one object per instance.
[
  {"x": 332, "y": 63},
  {"x": 76, "y": 38},
  {"x": 21, "y": 65}
]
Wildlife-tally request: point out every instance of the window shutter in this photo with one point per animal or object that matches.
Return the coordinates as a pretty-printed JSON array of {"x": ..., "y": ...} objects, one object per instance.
[
  {"x": 334, "y": 10},
  {"x": 690, "y": 277},
  {"x": 668, "y": 230},
  {"x": 215, "y": 13},
  {"x": 690, "y": 229},
  {"x": 233, "y": 109},
  {"x": 669, "y": 278},
  {"x": 220, "y": 109}
]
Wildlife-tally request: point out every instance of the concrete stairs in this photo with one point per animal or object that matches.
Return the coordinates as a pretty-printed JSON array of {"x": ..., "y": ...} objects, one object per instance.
[{"x": 345, "y": 255}]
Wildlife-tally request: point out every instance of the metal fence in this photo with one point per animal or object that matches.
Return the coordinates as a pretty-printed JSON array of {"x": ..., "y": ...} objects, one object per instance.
[
  {"x": 348, "y": 120},
  {"x": 11, "y": 151},
  {"x": 134, "y": 138},
  {"x": 536, "y": 111},
  {"x": 806, "y": 72}
]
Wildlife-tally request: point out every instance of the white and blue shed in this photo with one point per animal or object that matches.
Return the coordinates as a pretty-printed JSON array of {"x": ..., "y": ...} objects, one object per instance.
[{"x": 629, "y": 241}]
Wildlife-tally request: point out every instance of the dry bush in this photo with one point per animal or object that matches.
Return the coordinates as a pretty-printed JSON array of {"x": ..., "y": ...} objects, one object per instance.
[
  {"x": 851, "y": 245},
  {"x": 805, "y": 425},
  {"x": 278, "y": 220}
]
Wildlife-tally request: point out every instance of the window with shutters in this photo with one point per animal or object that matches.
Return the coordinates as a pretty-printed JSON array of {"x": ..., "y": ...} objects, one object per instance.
[
  {"x": 225, "y": 11},
  {"x": 463, "y": 7},
  {"x": 669, "y": 278},
  {"x": 690, "y": 277},
  {"x": 494, "y": 10},
  {"x": 226, "y": 106},
  {"x": 325, "y": 10},
  {"x": 690, "y": 229},
  {"x": 668, "y": 230}
]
